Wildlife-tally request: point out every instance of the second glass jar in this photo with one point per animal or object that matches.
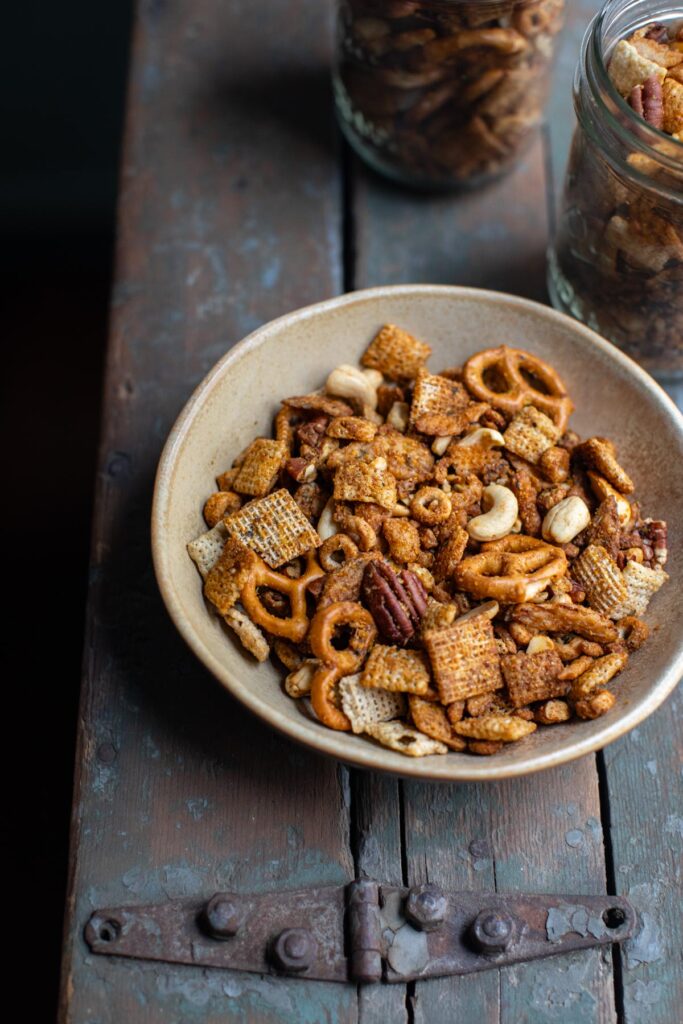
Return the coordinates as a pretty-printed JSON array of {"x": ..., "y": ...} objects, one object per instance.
[{"x": 443, "y": 93}]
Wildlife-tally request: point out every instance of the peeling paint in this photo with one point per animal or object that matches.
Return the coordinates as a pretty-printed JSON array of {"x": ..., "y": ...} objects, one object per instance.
[
  {"x": 567, "y": 919},
  {"x": 646, "y": 945},
  {"x": 574, "y": 838},
  {"x": 644, "y": 992},
  {"x": 674, "y": 825}
]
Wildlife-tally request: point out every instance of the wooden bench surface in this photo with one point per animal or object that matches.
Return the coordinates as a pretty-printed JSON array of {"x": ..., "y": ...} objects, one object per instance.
[{"x": 237, "y": 204}]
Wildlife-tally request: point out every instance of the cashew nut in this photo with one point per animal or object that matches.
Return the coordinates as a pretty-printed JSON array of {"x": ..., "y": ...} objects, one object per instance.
[
  {"x": 484, "y": 437},
  {"x": 349, "y": 382},
  {"x": 565, "y": 520},
  {"x": 398, "y": 417},
  {"x": 603, "y": 489},
  {"x": 500, "y": 518},
  {"x": 489, "y": 609},
  {"x": 440, "y": 444},
  {"x": 539, "y": 643},
  {"x": 326, "y": 525}
]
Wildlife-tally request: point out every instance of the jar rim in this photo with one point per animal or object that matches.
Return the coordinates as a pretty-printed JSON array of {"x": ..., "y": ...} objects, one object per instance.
[{"x": 629, "y": 127}]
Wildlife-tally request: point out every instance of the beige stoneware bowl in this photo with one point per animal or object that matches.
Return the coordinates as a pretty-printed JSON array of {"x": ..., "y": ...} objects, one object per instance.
[{"x": 294, "y": 354}]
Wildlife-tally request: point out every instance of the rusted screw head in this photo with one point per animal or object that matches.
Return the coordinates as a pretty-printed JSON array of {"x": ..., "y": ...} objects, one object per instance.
[
  {"x": 426, "y": 907},
  {"x": 493, "y": 931},
  {"x": 294, "y": 949},
  {"x": 222, "y": 916}
]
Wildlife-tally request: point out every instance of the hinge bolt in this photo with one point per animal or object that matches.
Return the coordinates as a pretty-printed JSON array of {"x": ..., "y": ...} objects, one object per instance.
[
  {"x": 222, "y": 916},
  {"x": 426, "y": 907},
  {"x": 294, "y": 949},
  {"x": 493, "y": 931}
]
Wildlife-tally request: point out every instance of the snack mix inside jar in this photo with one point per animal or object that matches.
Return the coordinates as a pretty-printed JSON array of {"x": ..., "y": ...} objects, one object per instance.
[
  {"x": 617, "y": 262},
  {"x": 443, "y": 93}
]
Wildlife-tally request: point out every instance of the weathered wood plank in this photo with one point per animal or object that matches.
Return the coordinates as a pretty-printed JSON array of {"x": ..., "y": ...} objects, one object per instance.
[
  {"x": 542, "y": 833},
  {"x": 230, "y": 214},
  {"x": 644, "y": 777}
]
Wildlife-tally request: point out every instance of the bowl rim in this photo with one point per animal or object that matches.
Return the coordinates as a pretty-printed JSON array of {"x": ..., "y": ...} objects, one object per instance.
[{"x": 328, "y": 742}]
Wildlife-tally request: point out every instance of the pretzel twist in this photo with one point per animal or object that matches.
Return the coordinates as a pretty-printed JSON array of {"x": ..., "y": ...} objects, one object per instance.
[
  {"x": 511, "y": 570},
  {"x": 295, "y": 625},
  {"x": 519, "y": 392},
  {"x": 322, "y": 698}
]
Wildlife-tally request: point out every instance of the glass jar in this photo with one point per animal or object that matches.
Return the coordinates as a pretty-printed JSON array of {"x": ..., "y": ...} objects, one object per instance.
[
  {"x": 617, "y": 259},
  {"x": 443, "y": 93}
]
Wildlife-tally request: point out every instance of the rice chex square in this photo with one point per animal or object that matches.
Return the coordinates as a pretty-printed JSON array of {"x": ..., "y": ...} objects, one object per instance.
[{"x": 274, "y": 527}]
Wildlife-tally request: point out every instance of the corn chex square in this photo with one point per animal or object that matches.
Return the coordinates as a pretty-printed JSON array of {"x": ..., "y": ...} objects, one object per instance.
[
  {"x": 405, "y": 740},
  {"x": 601, "y": 578},
  {"x": 274, "y": 527},
  {"x": 224, "y": 582},
  {"x": 441, "y": 406},
  {"x": 531, "y": 677},
  {"x": 395, "y": 353},
  {"x": 465, "y": 659},
  {"x": 260, "y": 466},
  {"x": 206, "y": 549},
  {"x": 530, "y": 434},
  {"x": 673, "y": 106},
  {"x": 432, "y": 720},
  {"x": 397, "y": 670},
  {"x": 642, "y": 583},
  {"x": 366, "y": 481},
  {"x": 363, "y": 705}
]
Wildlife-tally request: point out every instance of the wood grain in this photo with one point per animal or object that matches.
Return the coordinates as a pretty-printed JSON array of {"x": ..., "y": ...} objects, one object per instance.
[{"x": 229, "y": 215}]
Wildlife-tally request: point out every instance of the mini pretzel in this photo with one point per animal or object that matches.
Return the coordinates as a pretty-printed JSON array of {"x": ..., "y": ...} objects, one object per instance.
[
  {"x": 511, "y": 570},
  {"x": 339, "y": 543},
  {"x": 509, "y": 363},
  {"x": 335, "y": 616},
  {"x": 430, "y": 506},
  {"x": 322, "y": 694},
  {"x": 295, "y": 626}
]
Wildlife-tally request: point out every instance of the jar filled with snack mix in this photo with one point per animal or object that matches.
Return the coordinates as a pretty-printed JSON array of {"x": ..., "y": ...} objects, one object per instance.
[
  {"x": 617, "y": 260},
  {"x": 443, "y": 93}
]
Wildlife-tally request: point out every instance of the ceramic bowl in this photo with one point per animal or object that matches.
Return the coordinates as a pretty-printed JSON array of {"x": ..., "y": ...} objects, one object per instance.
[{"x": 294, "y": 354}]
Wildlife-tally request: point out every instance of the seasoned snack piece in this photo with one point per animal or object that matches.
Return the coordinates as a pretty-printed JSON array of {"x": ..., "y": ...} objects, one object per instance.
[
  {"x": 595, "y": 705},
  {"x": 274, "y": 527},
  {"x": 206, "y": 549},
  {"x": 258, "y": 471},
  {"x": 323, "y": 694},
  {"x": 396, "y": 670},
  {"x": 505, "y": 728},
  {"x": 365, "y": 481},
  {"x": 352, "y": 428},
  {"x": 601, "y": 578},
  {"x": 566, "y": 618},
  {"x": 464, "y": 659},
  {"x": 293, "y": 626},
  {"x": 364, "y": 706},
  {"x": 513, "y": 371},
  {"x": 552, "y": 712},
  {"x": 319, "y": 403},
  {"x": 599, "y": 454},
  {"x": 396, "y": 354},
  {"x": 344, "y": 584},
  {"x": 532, "y": 677},
  {"x": 598, "y": 675},
  {"x": 405, "y": 740},
  {"x": 641, "y": 585},
  {"x": 220, "y": 505},
  {"x": 484, "y": 748},
  {"x": 530, "y": 434},
  {"x": 226, "y": 579},
  {"x": 511, "y": 570},
  {"x": 442, "y": 407},
  {"x": 335, "y": 620},
  {"x": 249, "y": 634},
  {"x": 403, "y": 539},
  {"x": 431, "y": 719},
  {"x": 450, "y": 554}
]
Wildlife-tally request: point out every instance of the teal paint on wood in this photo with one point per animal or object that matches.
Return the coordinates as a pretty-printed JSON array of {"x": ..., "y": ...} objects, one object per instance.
[
  {"x": 645, "y": 785},
  {"x": 179, "y": 791}
]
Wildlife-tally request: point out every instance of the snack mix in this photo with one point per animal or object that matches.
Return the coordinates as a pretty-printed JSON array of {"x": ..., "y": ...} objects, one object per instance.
[
  {"x": 436, "y": 559},
  {"x": 618, "y": 264},
  {"x": 444, "y": 93}
]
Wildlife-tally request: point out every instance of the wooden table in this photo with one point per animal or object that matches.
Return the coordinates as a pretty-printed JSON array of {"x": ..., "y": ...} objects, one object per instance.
[{"x": 238, "y": 204}]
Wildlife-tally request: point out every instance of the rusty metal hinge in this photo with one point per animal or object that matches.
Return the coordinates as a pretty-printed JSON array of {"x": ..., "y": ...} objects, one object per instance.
[{"x": 362, "y": 932}]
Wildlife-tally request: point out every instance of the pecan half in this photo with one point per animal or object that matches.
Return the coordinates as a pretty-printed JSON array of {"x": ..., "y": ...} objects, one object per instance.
[
  {"x": 396, "y": 603},
  {"x": 653, "y": 101}
]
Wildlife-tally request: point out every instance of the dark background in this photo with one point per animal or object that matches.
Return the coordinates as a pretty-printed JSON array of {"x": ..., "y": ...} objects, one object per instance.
[{"x": 62, "y": 105}]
